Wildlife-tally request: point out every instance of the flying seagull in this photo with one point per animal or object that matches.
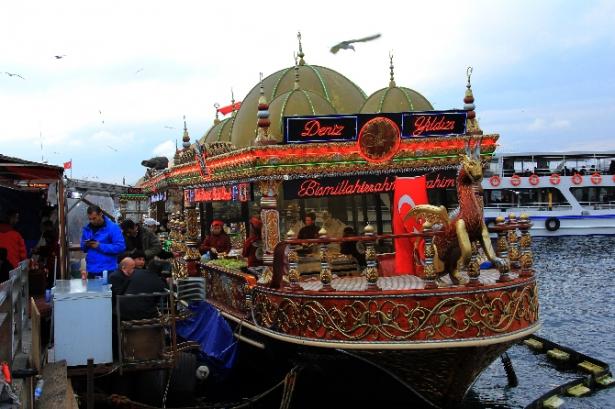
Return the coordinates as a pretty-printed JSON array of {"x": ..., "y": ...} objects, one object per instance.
[
  {"x": 11, "y": 74},
  {"x": 112, "y": 148},
  {"x": 57, "y": 57},
  {"x": 347, "y": 45},
  {"x": 139, "y": 70}
]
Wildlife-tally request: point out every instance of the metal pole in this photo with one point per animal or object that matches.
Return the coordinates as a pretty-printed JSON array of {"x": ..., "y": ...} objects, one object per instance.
[{"x": 90, "y": 384}]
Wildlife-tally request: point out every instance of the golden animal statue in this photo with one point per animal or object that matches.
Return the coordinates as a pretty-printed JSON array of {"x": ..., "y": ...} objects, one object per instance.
[{"x": 464, "y": 225}]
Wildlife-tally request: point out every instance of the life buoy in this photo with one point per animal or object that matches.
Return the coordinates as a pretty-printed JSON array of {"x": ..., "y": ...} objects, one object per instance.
[
  {"x": 596, "y": 178},
  {"x": 554, "y": 178},
  {"x": 534, "y": 179},
  {"x": 577, "y": 179},
  {"x": 552, "y": 224},
  {"x": 495, "y": 180},
  {"x": 515, "y": 180}
]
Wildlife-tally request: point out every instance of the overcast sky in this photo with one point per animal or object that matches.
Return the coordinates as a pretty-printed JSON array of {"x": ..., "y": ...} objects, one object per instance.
[{"x": 543, "y": 70}]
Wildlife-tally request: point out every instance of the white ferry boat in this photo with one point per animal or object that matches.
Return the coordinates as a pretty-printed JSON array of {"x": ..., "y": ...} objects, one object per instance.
[{"x": 564, "y": 193}]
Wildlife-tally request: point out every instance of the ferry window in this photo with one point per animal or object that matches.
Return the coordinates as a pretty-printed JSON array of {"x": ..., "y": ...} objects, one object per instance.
[
  {"x": 546, "y": 198},
  {"x": 595, "y": 196}
]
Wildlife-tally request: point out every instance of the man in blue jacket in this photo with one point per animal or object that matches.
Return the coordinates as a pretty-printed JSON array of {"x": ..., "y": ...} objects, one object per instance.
[{"x": 102, "y": 241}]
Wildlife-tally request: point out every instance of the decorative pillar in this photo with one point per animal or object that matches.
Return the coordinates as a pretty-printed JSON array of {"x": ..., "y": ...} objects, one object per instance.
[
  {"x": 474, "y": 267},
  {"x": 325, "y": 271},
  {"x": 178, "y": 247},
  {"x": 371, "y": 270},
  {"x": 293, "y": 263},
  {"x": 193, "y": 227},
  {"x": 526, "y": 247},
  {"x": 502, "y": 249},
  {"x": 270, "y": 217},
  {"x": 513, "y": 242},
  {"x": 428, "y": 269}
]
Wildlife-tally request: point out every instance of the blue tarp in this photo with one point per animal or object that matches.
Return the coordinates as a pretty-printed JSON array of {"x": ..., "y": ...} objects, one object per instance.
[{"x": 207, "y": 327}]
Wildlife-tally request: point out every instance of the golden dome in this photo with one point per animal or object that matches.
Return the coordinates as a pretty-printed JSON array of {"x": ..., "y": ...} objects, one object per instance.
[
  {"x": 297, "y": 102},
  {"x": 342, "y": 94},
  {"x": 395, "y": 99},
  {"x": 220, "y": 131}
]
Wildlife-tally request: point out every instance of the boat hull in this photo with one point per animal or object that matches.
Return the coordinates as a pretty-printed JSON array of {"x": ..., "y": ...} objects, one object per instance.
[{"x": 435, "y": 342}]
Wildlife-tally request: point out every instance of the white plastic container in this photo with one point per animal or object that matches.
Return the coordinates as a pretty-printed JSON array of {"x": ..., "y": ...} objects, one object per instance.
[{"x": 82, "y": 321}]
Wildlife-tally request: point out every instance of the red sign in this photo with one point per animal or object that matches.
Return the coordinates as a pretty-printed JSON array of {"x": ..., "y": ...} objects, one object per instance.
[
  {"x": 356, "y": 185},
  {"x": 314, "y": 188},
  {"x": 314, "y": 127},
  {"x": 420, "y": 124},
  {"x": 214, "y": 194},
  {"x": 320, "y": 129}
]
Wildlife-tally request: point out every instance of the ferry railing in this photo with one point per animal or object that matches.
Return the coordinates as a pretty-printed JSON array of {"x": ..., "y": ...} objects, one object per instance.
[
  {"x": 14, "y": 298},
  {"x": 539, "y": 206},
  {"x": 598, "y": 205}
]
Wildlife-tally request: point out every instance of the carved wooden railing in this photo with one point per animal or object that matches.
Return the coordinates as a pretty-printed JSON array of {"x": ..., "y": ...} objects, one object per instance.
[{"x": 513, "y": 247}]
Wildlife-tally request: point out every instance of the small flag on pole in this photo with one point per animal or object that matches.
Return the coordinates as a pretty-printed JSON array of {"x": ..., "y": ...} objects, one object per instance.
[
  {"x": 230, "y": 108},
  {"x": 68, "y": 165}
]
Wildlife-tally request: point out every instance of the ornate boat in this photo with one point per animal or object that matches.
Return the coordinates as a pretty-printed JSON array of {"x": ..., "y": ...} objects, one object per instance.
[{"x": 431, "y": 331}]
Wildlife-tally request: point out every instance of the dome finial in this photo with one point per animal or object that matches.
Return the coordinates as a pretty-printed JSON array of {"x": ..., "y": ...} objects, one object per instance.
[
  {"x": 296, "y": 86},
  {"x": 186, "y": 137},
  {"x": 472, "y": 127},
  {"x": 262, "y": 135},
  {"x": 392, "y": 80},
  {"x": 217, "y": 107},
  {"x": 233, "y": 103},
  {"x": 300, "y": 55}
]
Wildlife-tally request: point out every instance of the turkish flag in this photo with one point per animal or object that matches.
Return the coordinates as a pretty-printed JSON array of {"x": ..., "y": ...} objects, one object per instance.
[
  {"x": 229, "y": 108},
  {"x": 68, "y": 165},
  {"x": 408, "y": 192}
]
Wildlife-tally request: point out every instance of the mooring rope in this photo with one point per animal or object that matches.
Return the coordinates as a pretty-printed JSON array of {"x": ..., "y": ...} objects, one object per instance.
[{"x": 288, "y": 382}]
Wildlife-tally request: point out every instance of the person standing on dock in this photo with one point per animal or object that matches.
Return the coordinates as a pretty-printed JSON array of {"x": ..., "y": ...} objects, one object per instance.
[
  {"x": 142, "y": 239},
  {"x": 102, "y": 241},
  {"x": 11, "y": 239}
]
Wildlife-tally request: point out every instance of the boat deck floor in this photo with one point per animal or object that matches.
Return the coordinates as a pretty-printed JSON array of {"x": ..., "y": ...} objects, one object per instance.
[{"x": 394, "y": 283}]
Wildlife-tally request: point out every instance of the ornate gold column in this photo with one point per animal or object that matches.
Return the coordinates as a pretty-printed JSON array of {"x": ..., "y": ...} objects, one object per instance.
[
  {"x": 371, "y": 270},
  {"x": 526, "y": 247},
  {"x": 270, "y": 217},
  {"x": 326, "y": 276},
  {"x": 502, "y": 248},
  {"x": 293, "y": 263},
  {"x": 513, "y": 243},
  {"x": 193, "y": 227},
  {"x": 430, "y": 274}
]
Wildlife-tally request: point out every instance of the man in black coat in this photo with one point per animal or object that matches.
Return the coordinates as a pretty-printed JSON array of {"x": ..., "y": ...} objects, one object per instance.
[
  {"x": 140, "y": 239},
  {"x": 142, "y": 282}
]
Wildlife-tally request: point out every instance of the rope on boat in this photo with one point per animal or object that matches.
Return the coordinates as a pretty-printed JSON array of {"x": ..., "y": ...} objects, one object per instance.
[
  {"x": 596, "y": 374},
  {"x": 288, "y": 382}
]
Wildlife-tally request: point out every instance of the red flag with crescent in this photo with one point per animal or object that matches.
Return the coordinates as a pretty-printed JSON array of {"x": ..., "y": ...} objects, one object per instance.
[{"x": 408, "y": 192}]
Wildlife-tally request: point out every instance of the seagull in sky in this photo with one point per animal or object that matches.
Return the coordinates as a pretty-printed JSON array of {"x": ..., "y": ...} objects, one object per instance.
[
  {"x": 12, "y": 74},
  {"x": 112, "y": 148},
  {"x": 347, "y": 45},
  {"x": 102, "y": 120},
  {"x": 169, "y": 127},
  {"x": 139, "y": 70},
  {"x": 57, "y": 57}
]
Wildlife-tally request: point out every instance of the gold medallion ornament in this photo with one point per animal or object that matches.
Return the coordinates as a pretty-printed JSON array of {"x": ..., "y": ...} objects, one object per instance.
[{"x": 379, "y": 139}]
